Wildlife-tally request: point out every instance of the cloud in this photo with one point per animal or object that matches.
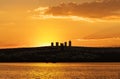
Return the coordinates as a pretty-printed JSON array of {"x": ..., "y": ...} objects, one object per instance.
[
  {"x": 74, "y": 18},
  {"x": 99, "y": 9},
  {"x": 40, "y": 13}
]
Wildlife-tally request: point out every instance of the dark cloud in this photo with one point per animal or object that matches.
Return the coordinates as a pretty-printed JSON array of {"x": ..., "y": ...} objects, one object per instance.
[{"x": 98, "y": 9}]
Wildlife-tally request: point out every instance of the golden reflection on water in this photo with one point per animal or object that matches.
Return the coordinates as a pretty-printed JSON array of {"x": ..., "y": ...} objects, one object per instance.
[{"x": 59, "y": 70}]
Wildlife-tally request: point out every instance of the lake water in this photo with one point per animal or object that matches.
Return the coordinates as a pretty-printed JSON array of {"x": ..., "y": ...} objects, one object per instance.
[{"x": 59, "y": 70}]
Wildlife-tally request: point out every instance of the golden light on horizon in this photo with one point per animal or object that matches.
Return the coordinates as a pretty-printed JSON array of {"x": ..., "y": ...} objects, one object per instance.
[
  {"x": 25, "y": 23},
  {"x": 47, "y": 36}
]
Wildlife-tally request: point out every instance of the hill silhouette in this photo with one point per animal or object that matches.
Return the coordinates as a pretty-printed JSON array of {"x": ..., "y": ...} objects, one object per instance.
[{"x": 60, "y": 54}]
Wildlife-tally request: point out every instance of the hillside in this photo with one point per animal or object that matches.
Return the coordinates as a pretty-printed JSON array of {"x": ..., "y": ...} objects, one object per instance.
[{"x": 60, "y": 54}]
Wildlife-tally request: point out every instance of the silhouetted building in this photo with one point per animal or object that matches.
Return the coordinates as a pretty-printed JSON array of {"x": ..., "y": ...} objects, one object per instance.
[
  {"x": 65, "y": 44},
  {"x": 70, "y": 43},
  {"x": 52, "y": 44},
  {"x": 57, "y": 44},
  {"x": 61, "y": 44}
]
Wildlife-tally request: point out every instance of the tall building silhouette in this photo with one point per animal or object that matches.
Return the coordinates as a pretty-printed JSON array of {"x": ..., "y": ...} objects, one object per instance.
[
  {"x": 65, "y": 44},
  {"x": 61, "y": 44},
  {"x": 52, "y": 44},
  {"x": 57, "y": 44},
  {"x": 70, "y": 43}
]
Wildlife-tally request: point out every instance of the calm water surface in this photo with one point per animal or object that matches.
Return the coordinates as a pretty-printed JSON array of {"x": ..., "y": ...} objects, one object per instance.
[{"x": 59, "y": 70}]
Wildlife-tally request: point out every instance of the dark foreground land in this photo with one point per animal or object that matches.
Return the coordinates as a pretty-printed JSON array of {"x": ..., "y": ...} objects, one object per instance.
[{"x": 60, "y": 54}]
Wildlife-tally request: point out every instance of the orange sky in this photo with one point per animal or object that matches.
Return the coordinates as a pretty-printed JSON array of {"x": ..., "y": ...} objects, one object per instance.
[{"x": 26, "y": 23}]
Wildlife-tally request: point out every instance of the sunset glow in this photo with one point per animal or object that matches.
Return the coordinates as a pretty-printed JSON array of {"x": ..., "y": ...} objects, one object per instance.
[{"x": 31, "y": 23}]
